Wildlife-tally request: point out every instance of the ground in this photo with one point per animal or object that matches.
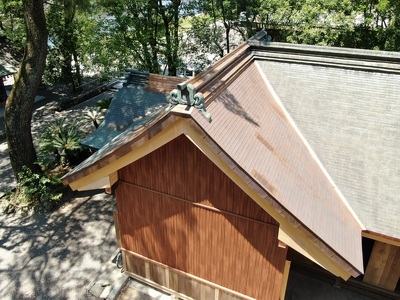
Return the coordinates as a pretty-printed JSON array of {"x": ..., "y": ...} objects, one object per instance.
[
  {"x": 46, "y": 111},
  {"x": 55, "y": 255}
]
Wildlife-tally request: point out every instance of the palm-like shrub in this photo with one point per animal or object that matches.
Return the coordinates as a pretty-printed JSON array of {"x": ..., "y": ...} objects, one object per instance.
[
  {"x": 95, "y": 115},
  {"x": 104, "y": 103},
  {"x": 60, "y": 142}
]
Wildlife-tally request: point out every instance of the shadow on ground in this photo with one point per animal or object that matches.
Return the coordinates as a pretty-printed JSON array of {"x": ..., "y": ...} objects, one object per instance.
[{"x": 54, "y": 256}]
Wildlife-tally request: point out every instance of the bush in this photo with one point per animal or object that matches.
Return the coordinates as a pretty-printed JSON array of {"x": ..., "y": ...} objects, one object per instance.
[
  {"x": 96, "y": 116},
  {"x": 34, "y": 192},
  {"x": 104, "y": 103},
  {"x": 59, "y": 143}
]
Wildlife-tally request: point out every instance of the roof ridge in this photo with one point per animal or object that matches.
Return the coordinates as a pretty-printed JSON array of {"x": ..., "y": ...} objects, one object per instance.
[
  {"x": 339, "y": 51},
  {"x": 221, "y": 65},
  {"x": 359, "y": 59}
]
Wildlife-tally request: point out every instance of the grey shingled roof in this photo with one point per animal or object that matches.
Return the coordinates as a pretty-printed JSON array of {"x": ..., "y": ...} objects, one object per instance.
[
  {"x": 131, "y": 107},
  {"x": 8, "y": 65},
  {"x": 351, "y": 118}
]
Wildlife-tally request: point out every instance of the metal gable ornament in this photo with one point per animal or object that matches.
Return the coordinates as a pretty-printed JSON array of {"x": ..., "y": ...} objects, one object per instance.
[{"x": 186, "y": 94}]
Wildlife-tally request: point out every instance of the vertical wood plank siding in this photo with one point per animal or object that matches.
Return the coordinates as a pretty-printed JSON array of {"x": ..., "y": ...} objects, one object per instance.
[
  {"x": 180, "y": 169},
  {"x": 235, "y": 247}
]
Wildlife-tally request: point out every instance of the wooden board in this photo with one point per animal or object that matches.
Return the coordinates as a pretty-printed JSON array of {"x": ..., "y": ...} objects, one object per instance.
[{"x": 383, "y": 268}]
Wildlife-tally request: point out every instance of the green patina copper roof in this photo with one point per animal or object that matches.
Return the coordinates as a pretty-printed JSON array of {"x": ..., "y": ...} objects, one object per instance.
[
  {"x": 6, "y": 69},
  {"x": 131, "y": 107}
]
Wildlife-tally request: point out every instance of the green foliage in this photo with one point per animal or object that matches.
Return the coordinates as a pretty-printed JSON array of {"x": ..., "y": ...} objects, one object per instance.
[
  {"x": 34, "y": 192},
  {"x": 104, "y": 103},
  {"x": 205, "y": 42},
  {"x": 349, "y": 23},
  {"x": 66, "y": 22},
  {"x": 139, "y": 34},
  {"x": 12, "y": 21},
  {"x": 107, "y": 36},
  {"x": 59, "y": 143}
]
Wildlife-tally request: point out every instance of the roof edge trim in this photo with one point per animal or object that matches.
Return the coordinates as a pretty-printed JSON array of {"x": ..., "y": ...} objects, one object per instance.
[
  {"x": 330, "y": 51},
  {"x": 333, "y": 62},
  {"x": 381, "y": 238},
  {"x": 102, "y": 168},
  {"x": 219, "y": 68}
]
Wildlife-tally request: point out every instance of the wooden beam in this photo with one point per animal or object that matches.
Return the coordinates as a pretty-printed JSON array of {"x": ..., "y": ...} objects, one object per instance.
[
  {"x": 285, "y": 279},
  {"x": 116, "y": 225},
  {"x": 100, "y": 178},
  {"x": 382, "y": 238},
  {"x": 134, "y": 258},
  {"x": 383, "y": 268}
]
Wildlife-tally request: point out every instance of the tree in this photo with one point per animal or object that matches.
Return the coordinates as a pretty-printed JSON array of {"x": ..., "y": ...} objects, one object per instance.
[
  {"x": 64, "y": 29},
  {"x": 130, "y": 35},
  {"x": 12, "y": 22},
  {"x": 378, "y": 25},
  {"x": 170, "y": 16},
  {"x": 142, "y": 34},
  {"x": 19, "y": 104}
]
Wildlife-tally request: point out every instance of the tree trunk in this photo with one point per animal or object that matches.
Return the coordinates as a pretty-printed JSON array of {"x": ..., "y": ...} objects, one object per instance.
[
  {"x": 19, "y": 104},
  {"x": 77, "y": 66},
  {"x": 68, "y": 45},
  {"x": 175, "y": 35}
]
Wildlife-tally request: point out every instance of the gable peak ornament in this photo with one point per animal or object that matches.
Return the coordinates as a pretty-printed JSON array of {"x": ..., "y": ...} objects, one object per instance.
[{"x": 185, "y": 94}]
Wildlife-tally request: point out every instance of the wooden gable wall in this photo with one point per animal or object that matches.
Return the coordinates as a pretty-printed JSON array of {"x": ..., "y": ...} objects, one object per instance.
[{"x": 177, "y": 208}]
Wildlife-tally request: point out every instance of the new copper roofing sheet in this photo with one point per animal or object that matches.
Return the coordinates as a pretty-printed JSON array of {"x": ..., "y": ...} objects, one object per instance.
[{"x": 250, "y": 125}]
